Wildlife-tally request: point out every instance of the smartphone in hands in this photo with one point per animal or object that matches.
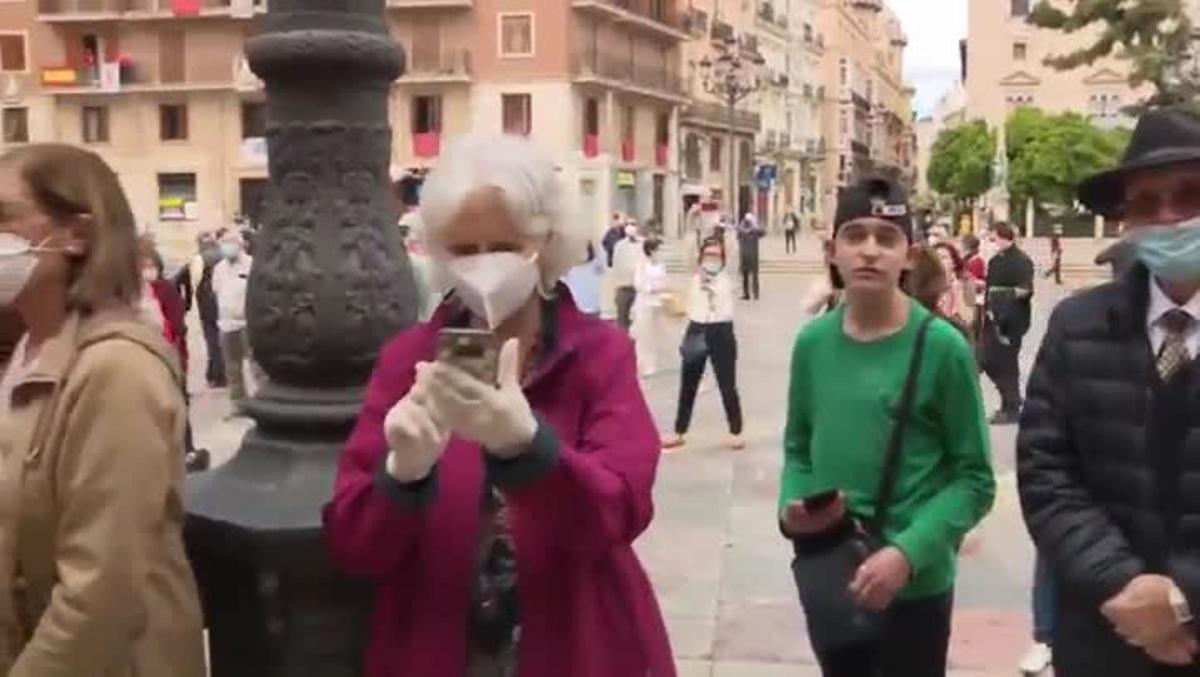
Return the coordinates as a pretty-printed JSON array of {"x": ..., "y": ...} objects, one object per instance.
[
  {"x": 818, "y": 502},
  {"x": 475, "y": 351}
]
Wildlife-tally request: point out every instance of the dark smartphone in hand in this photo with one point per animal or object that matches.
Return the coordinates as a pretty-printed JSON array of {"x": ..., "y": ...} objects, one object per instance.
[{"x": 818, "y": 502}]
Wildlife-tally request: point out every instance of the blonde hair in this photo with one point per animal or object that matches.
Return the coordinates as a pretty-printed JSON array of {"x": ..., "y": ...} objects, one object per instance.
[{"x": 68, "y": 182}]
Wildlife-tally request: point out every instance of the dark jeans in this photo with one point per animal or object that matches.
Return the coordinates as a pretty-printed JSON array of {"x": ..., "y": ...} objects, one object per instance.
[
  {"x": 214, "y": 373},
  {"x": 1044, "y": 589},
  {"x": 625, "y": 299},
  {"x": 1056, "y": 269},
  {"x": 915, "y": 643},
  {"x": 1001, "y": 364},
  {"x": 789, "y": 241},
  {"x": 722, "y": 351},
  {"x": 750, "y": 279}
]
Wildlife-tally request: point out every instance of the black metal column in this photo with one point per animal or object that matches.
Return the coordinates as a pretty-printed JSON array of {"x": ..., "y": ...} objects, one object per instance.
[{"x": 330, "y": 283}]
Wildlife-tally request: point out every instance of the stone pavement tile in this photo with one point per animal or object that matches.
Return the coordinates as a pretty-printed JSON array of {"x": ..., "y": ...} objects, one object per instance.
[
  {"x": 692, "y": 636},
  {"x": 769, "y": 631},
  {"x": 690, "y": 668},
  {"x": 744, "y": 669},
  {"x": 988, "y": 640}
]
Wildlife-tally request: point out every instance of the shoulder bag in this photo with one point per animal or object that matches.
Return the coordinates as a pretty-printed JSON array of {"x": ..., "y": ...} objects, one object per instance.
[{"x": 825, "y": 563}]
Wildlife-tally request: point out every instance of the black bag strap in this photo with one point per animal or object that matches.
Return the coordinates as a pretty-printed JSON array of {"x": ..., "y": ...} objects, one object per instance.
[{"x": 891, "y": 459}]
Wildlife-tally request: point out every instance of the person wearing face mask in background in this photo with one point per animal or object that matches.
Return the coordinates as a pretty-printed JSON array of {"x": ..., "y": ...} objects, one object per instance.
[
  {"x": 200, "y": 272},
  {"x": 539, "y": 578},
  {"x": 229, "y": 280},
  {"x": 97, "y": 581},
  {"x": 649, "y": 315},
  {"x": 709, "y": 337},
  {"x": 164, "y": 308},
  {"x": 1108, "y": 452},
  {"x": 627, "y": 256}
]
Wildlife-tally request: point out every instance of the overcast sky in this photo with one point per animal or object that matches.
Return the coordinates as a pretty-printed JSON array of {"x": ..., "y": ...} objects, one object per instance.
[{"x": 931, "y": 62}]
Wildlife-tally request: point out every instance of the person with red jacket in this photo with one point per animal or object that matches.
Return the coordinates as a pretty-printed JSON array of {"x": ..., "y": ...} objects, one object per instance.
[
  {"x": 163, "y": 296},
  {"x": 494, "y": 503}
]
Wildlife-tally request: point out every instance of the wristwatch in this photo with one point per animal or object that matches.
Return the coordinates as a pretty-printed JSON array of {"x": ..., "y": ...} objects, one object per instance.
[{"x": 1179, "y": 605}]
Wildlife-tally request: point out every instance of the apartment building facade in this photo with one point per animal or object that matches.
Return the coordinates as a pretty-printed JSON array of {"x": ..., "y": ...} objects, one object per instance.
[
  {"x": 1006, "y": 69},
  {"x": 161, "y": 89},
  {"x": 867, "y": 117}
]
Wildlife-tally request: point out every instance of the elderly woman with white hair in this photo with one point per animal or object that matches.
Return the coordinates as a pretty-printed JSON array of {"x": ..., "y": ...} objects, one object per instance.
[{"x": 496, "y": 509}]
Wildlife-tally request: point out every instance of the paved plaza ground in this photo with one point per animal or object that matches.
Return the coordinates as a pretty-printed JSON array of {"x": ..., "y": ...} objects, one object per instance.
[{"x": 714, "y": 552}]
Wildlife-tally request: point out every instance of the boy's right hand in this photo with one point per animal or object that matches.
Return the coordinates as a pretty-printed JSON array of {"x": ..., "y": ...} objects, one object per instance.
[{"x": 799, "y": 521}]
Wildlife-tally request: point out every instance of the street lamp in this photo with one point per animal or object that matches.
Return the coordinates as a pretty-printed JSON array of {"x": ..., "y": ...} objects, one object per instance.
[
  {"x": 731, "y": 77},
  {"x": 330, "y": 283}
]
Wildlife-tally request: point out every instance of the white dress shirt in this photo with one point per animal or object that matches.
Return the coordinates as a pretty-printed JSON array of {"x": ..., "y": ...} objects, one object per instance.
[
  {"x": 710, "y": 299},
  {"x": 1160, "y": 305},
  {"x": 627, "y": 256},
  {"x": 229, "y": 285}
]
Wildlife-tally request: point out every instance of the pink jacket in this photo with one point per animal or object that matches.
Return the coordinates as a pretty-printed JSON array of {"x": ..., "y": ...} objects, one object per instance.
[{"x": 587, "y": 606}]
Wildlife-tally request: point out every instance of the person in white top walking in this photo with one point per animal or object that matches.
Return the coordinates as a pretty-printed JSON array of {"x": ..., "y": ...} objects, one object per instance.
[
  {"x": 649, "y": 319},
  {"x": 709, "y": 337},
  {"x": 229, "y": 279},
  {"x": 627, "y": 254}
]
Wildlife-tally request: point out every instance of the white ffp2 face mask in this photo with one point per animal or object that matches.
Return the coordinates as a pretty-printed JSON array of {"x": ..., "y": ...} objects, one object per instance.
[
  {"x": 494, "y": 285},
  {"x": 18, "y": 258}
]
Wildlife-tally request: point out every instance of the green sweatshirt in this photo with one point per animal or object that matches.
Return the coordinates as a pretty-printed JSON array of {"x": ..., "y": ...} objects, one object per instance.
[{"x": 841, "y": 404}]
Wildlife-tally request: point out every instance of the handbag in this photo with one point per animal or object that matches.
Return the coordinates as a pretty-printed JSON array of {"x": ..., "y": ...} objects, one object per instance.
[
  {"x": 825, "y": 563},
  {"x": 694, "y": 347}
]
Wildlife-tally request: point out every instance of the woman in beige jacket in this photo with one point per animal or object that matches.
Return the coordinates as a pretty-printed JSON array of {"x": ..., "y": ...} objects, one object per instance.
[{"x": 93, "y": 577}]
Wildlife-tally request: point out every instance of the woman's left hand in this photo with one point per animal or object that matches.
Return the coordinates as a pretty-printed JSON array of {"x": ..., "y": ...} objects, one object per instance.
[{"x": 497, "y": 417}]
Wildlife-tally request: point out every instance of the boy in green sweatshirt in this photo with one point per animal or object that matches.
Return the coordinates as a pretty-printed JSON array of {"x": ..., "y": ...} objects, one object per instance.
[{"x": 848, "y": 370}]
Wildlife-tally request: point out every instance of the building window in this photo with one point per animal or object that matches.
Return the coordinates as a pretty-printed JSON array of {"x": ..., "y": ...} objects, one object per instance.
[
  {"x": 426, "y": 114},
  {"x": 172, "y": 56},
  {"x": 1019, "y": 7},
  {"x": 254, "y": 120},
  {"x": 591, "y": 117},
  {"x": 843, "y": 71},
  {"x": 691, "y": 157},
  {"x": 516, "y": 35},
  {"x": 843, "y": 123},
  {"x": 177, "y": 197},
  {"x": 12, "y": 53},
  {"x": 1105, "y": 105},
  {"x": 714, "y": 154},
  {"x": 1019, "y": 100},
  {"x": 173, "y": 122},
  {"x": 16, "y": 125},
  {"x": 662, "y": 133},
  {"x": 517, "y": 111},
  {"x": 94, "y": 120},
  {"x": 1020, "y": 49}
]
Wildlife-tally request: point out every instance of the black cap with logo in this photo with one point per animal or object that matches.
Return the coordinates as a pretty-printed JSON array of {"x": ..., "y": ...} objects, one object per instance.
[{"x": 874, "y": 197}]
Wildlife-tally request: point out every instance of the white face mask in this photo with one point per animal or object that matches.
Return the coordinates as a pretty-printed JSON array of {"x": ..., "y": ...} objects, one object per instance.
[
  {"x": 493, "y": 286},
  {"x": 18, "y": 258},
  {"x": 149, "y": 274}
]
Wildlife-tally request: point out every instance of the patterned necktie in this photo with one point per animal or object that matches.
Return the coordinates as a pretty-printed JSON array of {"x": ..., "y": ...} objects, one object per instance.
[{"x": 1174, "y": 354}]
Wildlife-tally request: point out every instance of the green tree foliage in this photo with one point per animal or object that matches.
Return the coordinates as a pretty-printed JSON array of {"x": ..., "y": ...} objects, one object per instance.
[
  {"x": 960, "y": 165},
  {"x": 1153, "y": 35},
  {"x": 1049, "y": 155}
]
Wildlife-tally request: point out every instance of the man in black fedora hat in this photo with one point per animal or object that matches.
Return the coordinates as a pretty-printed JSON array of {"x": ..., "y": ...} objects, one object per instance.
[{"x": 1108, "y": 453}]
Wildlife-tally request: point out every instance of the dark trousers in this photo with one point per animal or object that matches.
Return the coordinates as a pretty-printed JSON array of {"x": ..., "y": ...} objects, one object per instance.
[
  {"x": 750, "y": 279},
  {"x": 214, "y": 372},
  {"x": 722, "y": 352},
  {"x": 915, "y": 642},
  {"x": 789, "y": 241},
  {"x": 1001, "y": 364},
  {"x": 1055, "y": 268},
  {"x": 625, "y": 299}
]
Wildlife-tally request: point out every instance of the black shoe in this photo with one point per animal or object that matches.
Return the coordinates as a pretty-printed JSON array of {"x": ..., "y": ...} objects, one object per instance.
[
  {"x": 197, "y": 460},
  {"x": 1005, "y": 417}
]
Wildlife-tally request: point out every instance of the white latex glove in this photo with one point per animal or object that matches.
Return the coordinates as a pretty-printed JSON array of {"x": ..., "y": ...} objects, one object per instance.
[
  {"x": 415, "y": 434},
  {"x": 497, "y": 417}
]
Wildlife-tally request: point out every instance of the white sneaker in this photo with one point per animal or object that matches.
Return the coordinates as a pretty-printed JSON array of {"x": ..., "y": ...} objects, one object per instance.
[{"x": 1036, "y": 659}]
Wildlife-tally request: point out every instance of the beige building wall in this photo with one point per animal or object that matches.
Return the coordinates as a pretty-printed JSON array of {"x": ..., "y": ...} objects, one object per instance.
[
  {"x": 1005, "y": 70},
  {"x": 867, "y": 115}
]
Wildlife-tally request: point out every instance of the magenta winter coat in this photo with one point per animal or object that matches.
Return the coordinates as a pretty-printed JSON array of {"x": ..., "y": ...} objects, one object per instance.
[{"x": 587, "y": 607}]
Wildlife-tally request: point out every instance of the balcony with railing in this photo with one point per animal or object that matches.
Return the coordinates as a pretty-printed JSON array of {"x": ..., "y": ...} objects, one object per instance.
[
  {"x": 449, "y": 65},
  {"x": 64, "y": 11},
  {"x": 654, "y": 16},
  {"x": 131, "y": 74},
  {"x": 716, "y": 116},
  {"x": 773, "y": 19},
  {"x": 619, "y": 71},
  {"x": 427, "y": 4}
]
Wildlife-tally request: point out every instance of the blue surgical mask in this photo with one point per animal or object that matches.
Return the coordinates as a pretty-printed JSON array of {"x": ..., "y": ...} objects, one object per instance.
[
  {"x": 711, "y": 267},
  {"x": 230, "y": 250},
  {"x": 1172, "y": 253}
]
